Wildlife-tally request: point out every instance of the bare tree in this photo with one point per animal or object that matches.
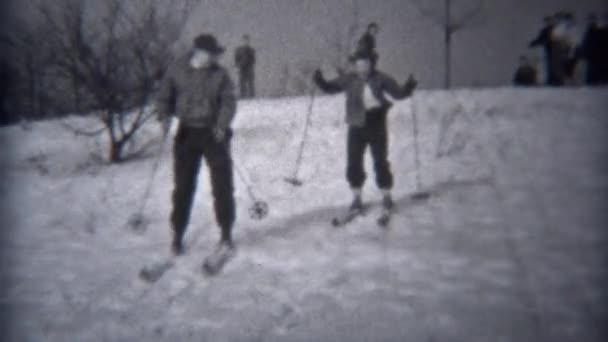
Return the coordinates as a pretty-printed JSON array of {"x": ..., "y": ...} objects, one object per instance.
[
  {"x": 110, "y": 55},
  {"x": 451, "y": 19},
  {"x": 27, "y": 63}
]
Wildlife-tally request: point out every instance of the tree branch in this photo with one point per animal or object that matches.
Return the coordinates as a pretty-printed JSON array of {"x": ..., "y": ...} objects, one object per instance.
[{"x": 82, "y": 132}]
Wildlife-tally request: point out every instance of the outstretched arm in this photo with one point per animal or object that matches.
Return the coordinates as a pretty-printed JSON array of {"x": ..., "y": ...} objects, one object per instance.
[
  {"x": 329, "y": 86},
  {"x": 396, "y": 91}
]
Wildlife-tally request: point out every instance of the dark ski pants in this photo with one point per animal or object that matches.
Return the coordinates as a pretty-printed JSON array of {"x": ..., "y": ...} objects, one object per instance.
[
  {"x": 191, "y": 144},
  {"x": 373, "y": 134},
  {"x": 247, "y": 83}
]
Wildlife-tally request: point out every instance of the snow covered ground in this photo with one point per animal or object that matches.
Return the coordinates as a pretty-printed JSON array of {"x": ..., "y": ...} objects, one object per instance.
[{"x": 510, "y": 247}]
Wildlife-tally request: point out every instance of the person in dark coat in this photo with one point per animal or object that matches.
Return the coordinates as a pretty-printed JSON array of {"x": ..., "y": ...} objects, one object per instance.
[
  {"x": 5, "y": 83},
  {"x": 591, "y": 51},
  {"x": 563, "y": 41},
  {"x": 543, "y": 39},
  {"x": 201, "y": 94},
  {"x": 244, "y": 59},
  {"x": 526, "y": 74},
  {"x": 367, "y": 43},
  {"x": 603, "y": 51},
  {"x": 366, "y": 112}
]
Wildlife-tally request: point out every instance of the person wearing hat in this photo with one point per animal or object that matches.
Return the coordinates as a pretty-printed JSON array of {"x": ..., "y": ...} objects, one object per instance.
[
  {"x": 367, "y": 43},
  {"x": 366, "y": 112},
  {"x": 200, "y": 93}
]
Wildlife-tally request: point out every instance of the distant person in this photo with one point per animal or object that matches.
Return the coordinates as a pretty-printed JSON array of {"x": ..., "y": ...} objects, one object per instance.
[
  {"x": 367, "y": 43},
  {"x": 526, "y": 74},
  {"x": 5, "y": 82},
  {"x": 563, "y": 40},
  {"x": 244, "y": 59},
  {"x": 543, "y": 39},
  {"x": 366, "y": 112},
  {"x": 200, "y": 93},
  {"x": 591, "y": 51},
  {"x": 603, "y": 50}
]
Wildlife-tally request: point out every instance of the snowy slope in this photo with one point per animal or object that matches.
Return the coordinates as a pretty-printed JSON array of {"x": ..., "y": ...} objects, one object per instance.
[{"x": 499, "y": 160}]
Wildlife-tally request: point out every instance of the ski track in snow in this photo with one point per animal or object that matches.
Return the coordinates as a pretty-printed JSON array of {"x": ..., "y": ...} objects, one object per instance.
[{"x": 510, "y": 247}]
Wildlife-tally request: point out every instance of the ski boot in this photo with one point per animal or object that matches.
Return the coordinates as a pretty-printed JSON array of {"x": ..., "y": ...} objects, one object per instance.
[{"x": 223, "y": 253}]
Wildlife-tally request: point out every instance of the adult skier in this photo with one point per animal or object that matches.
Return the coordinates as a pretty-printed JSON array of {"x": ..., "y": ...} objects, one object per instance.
[{"x": 201, "y": 94}]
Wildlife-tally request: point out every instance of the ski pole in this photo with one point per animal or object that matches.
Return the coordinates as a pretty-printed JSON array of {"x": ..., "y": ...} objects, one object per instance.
[
  {"x": 259, "y": 209},
  {"x": 294, "y": 180},
  {"x": 419, "y": 194},
  {"x": 137, "y": 220}
]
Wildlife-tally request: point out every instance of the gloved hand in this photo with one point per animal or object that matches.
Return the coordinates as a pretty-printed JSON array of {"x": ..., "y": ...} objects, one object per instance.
[
  {"x": 219, "y": 134},
  {"x": 410, "y": 84}
]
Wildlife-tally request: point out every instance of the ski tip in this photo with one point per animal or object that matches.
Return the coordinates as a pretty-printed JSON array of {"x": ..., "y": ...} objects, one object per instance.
[
  {"x": 293, "y": 181},
  {"x": 208, "y": 270},
  {"x": 211, "y": 270},
  {"x": 151, "y": 274},
  {"x": 383, "y": 223},
  {"x": 146, "y": 275},
  {"x": 384, "y": 219},
  {"x": 421, "y": 196}
]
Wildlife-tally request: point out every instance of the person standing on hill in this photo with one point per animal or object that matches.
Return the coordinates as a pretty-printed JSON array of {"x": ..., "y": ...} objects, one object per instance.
[
  {"x": 603, "y": 51},
  {"x": 366, "y": 112},
  {"x": 544, "y": 40},
  {"x": 563, "y": 41},
  {"x": 367, "y": 43},
  {"x": 201, "y": 94},
  {"x": 244, "y": 59},
  {"x": 590, "y": 51}
]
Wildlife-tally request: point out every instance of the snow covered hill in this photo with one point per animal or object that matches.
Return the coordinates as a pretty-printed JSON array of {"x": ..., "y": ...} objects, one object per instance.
[{"x": 515, "y": 224}]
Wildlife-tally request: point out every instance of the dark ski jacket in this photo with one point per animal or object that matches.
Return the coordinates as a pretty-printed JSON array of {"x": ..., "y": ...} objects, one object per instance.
[
  {"x": 366, "y": 44},
  {"x": 591, "y": 46},
  {"x": 244, "y": 57},
  {"x": 603, "y": 46},
  {"x": 198, "y": 97},
  {"x": 353, "y": 85}
]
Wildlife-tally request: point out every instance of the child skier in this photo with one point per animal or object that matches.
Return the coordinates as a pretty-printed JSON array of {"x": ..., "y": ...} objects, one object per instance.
[{"x": 366, "y": 111}]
